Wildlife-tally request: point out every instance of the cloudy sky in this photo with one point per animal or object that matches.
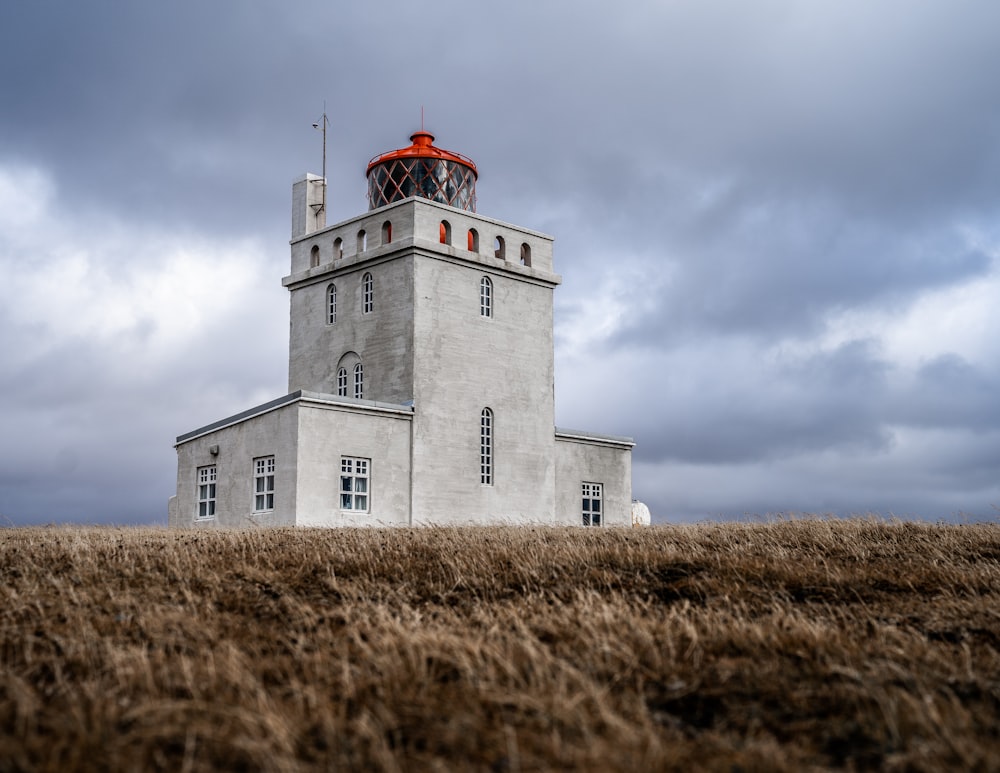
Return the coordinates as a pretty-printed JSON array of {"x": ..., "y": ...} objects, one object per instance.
[{"x": 777, "y": 222}]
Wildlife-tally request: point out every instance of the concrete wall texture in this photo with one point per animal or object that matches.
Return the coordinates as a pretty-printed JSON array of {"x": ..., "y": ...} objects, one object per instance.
[{"x": 432, "y": 362}]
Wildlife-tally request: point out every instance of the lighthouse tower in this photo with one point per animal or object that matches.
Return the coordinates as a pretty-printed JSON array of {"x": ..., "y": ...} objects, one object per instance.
[{"x": 420, "y": 375}]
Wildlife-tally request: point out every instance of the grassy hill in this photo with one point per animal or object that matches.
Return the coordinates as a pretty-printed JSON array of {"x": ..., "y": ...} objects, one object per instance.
[{"x": 777, "y": 646}]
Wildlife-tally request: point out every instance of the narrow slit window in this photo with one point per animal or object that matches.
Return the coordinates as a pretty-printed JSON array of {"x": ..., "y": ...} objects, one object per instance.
[
  {"x": 362, "y": 241},
  {"x": 386, "y": 232},
  {"x": 444, "y": 232},
  {"x": 367, "y": 294},
  {"x": 485, "y": 297},
  {"x": 314, "y": 256},
  {"x": 525, "y": 254},
  {"x": 473, "y": 240},
  {"x": 499, "y": 248},
  {"x": 331, "y": 304},
  {"x": 338, "y": 248},
  {"x": 486, "y": 447}
]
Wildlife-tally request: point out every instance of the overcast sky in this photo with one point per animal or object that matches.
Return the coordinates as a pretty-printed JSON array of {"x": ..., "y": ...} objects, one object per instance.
[{"x": 777, "y": 223}]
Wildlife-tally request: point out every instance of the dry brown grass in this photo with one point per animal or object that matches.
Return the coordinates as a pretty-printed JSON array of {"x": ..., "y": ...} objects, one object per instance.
[{"x": 778, "y": 646}]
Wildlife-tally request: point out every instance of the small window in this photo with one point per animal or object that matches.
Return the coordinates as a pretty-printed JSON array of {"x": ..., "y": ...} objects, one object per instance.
[
  {"x": 593, "y": 494},
  {"x": 486, "y": 447},
  {"x": 314, "y": 256},
  {"x": 444, "y": 232},
  {"x": 263, "y": 484},
  {"x": 354, "y": 478},
  {"x": 499, "y": 248},
  {"x": 386, "y": 232},
  {"x": 485, "y": 297},
  {"x": 367, "y": 294},
  {"x": 473, "y": 240},
  {"x": 525, "y": 254},
  {"x": 342, "y": 382},
  {"x": 359, "y": 381},
  {"x": 338, "y": 248},
  {"x": 206, "y": 491},
  {"x": 331, "y": 304},
  {"x": 362, "y": 241}
]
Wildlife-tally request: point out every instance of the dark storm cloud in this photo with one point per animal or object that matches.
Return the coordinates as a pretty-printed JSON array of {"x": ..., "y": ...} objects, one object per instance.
[{"x": 727, "y": 182}]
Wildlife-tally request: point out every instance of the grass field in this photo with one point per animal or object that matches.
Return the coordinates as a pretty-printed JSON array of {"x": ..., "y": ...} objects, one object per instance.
[{"x": 792, "y": 645}]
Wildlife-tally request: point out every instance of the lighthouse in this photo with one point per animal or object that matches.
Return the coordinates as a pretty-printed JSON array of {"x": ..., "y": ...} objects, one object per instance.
[{"x": 420, "y": 375}]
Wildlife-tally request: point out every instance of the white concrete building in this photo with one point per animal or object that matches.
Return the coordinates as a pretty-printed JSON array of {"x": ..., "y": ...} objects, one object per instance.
[{"x": 420, "y": 376}]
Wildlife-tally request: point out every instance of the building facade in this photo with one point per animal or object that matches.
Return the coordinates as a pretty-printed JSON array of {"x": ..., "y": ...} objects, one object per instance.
[{"x": 420, "y": 376}]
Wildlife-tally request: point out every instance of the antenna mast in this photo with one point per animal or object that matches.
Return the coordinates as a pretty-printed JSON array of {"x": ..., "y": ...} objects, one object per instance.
[{"x": 323, "y": 123}]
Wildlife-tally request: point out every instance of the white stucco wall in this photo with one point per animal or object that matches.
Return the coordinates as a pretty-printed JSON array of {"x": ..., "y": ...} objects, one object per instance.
[{"x": 582, "y": 458}]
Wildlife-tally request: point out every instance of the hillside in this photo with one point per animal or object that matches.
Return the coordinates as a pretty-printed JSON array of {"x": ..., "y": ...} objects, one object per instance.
[{"x": 779, "y": 646}]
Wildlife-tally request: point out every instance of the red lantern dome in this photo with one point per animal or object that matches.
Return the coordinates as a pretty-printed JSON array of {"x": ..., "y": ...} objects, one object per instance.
[{"x": 422, "y": 170}]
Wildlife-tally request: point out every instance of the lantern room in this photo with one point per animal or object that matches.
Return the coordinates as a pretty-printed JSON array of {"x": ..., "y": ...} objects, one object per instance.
[{"x": 422, "y": 170}]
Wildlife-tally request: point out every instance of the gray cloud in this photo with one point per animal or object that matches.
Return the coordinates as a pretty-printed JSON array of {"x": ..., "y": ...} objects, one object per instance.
[{"x": 766, "y": 219}]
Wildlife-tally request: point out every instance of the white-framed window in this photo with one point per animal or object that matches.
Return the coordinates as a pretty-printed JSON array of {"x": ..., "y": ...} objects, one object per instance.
[
  {"x": 331, "y": 304},
  {"x": 593, "y": 495},
  {"x": 263, "y": 484},
  {"x": 359, "y": 381},
  {"x": 342, "y": 382},
  {"x": 355, "y": 475},
  {"x": 486, "y": 447},
  {"x": 207, "y": 477},
  {"x": 485, "y": 297},
  {"x": 367, "y": 294}
]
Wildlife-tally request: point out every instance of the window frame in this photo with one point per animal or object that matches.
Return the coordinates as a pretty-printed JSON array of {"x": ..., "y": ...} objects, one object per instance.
[
  {"x": 367, "y": 293},
  {"x": 263, "y": 484},
  {"x": 342, "y": 382},
  {"x": 355, "y": 469},
  {"x": 487, "y": 432},
  {"x": 592, "y": 492},
  {"x": 486, "y": 297},
  {"x": 359, "y": 381},
  {"x": 331, "y": 304},
  {"x": 206, "y": 483}
]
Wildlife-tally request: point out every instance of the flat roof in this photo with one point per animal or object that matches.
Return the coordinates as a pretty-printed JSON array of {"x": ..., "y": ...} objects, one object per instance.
[{"x": 297, "y": 396}]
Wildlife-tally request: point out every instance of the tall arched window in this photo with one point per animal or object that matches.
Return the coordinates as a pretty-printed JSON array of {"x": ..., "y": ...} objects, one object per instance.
[
  {"x": 485, "y": 297},
  {"x": 473, "y": 240},
  {"x": 499, "y": 248},
  {"x": 314, "y": 256},
  {"x": 486, "y": 447},
  {"x": 342, "y": 382},
  {"x": 386, "y": 232},
  {"x": 362, "y": 240},
  {"x": 359, "y": 381},
  {"x": 367, "y": 294},
  {"x": 525, "y": 254},
  {"x": 338, "y": 248},
  {"x": 445, "y": 232},
  {"x": 331, "y": 304}
]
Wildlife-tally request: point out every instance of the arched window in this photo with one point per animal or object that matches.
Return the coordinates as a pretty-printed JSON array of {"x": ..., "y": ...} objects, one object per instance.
[
  {"x": 342, "y": 382},
  {"x": 485, "y": 297},
  {"x": 367, "y": 294},
  {"x": 331, "y": 304},
  {"x": 359, "y": 381},
  {"x": 314, "y": 256},
  {"x": 473, "y": 240},
  {"x": 338, "y": 248},
  {"x": 486, "y": 447},
  {"x": 445, "y": 232},
  {"x": 386, "y": 232},
  {"x": 499, "y": 249},
  {"x": 348, "y": 363},
  {"x": 525, "y": 254},
  {"x": 362, "y": 240}
]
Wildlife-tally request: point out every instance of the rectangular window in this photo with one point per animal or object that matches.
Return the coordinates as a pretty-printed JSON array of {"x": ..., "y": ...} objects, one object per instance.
[
  {"x": 263, "y": 484},
  {"x": 593, "y": 493},
  {"x": 354, "y": 477},
  {"x": 486, "y": 447},
  {"x": 206, "y": 491}
]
